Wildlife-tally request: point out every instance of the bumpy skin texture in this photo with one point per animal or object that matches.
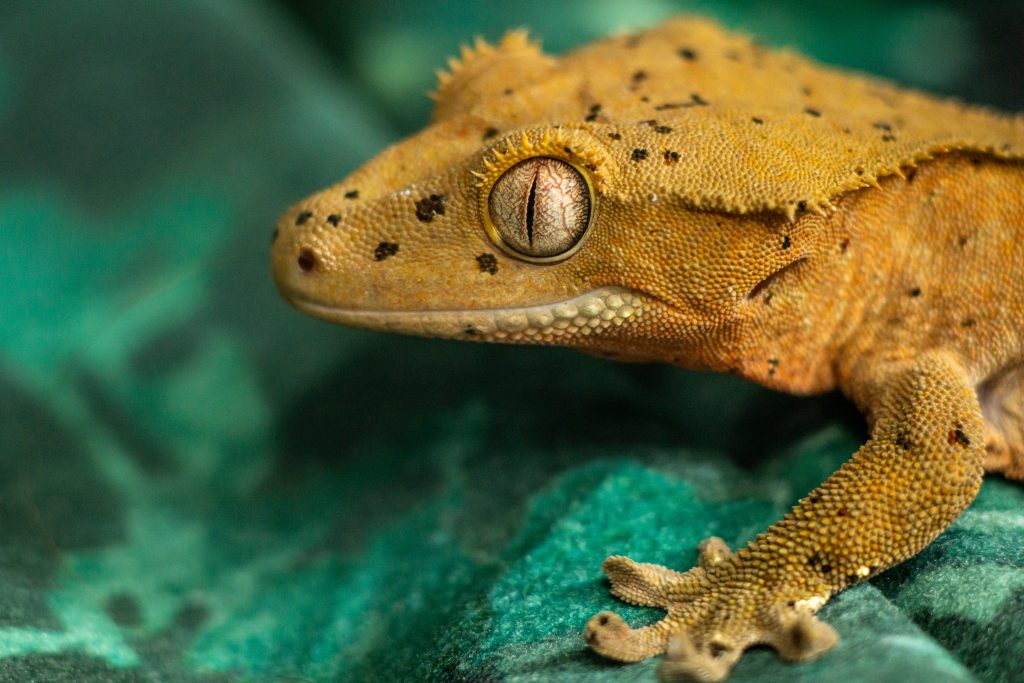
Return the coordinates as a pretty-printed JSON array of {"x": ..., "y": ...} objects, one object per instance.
[{"x": 749, "y": 212}]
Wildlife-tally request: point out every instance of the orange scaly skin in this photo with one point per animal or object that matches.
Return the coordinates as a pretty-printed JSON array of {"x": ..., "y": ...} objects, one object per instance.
[{"x": 703, "y": 201}]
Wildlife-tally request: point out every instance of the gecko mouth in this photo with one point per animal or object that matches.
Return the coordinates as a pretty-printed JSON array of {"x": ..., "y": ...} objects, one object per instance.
[{"x": 586, "y": 314}]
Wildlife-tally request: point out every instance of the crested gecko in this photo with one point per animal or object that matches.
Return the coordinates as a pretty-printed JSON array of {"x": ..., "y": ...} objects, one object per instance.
[{"x": 686, "y": 195}]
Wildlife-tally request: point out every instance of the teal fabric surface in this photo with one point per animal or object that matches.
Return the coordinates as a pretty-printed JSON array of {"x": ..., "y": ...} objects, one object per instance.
[{"x": 199, "y": 484}]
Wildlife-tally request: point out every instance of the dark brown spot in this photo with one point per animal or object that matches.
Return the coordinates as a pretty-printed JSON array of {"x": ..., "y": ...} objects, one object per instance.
[
  {"x": 786, "y": 242},
  {"x": 489, "y": 133},
  {"x": 638, "y": 76},
  {"x": 303, "y": 217},
  {"x": 773, "y": 364},
  {"x": 844, "y": 244},
  {"x": 470, "y": 330},
  {"x": 431, "y": 206},
  {"x": 645, "y": 98},
  {"x": 911, "y": 174},
  {"x": 882, "y": 125},
  {"x": 567, "y": 149},
  {"x": 595, "y": 109},
  {"x": 639, "y": 154},
  {"x": 842, "y": 511},
  {"x": 384, "y": 250},
  {"x": 757, "y": 120},
  {"x": 962, "y": 240},
  {"x": 812, "y": 112},
  {"x": 334, "y": 219},
  {"x": 273, "y": 237},
  {"x": 903, "y": 441},
  {"x": 603, "y": 620},
  {"x": 662, "y": 129},
  {"x": 717, "y": 649},
  {"x": 888, "y": 137},
  {"x": 958, "y": 436},
  {"x": 671, "y": 157},
  {"x": 307, "y": 260},
  {"x": 968, "y": 322},
  {"x": 352, "y": 194},
  {"x": 859, "y": 170},
  {"x": 688, "y": 54},
  {"x": 615, "y": 136},
  {"x": 487, "y": 263},
  {"x": 508, "y": 91},
  {"x": 698, "y": 100},
  {"x": 915, "y": 292},
  {"x": 801, "y": 206}
]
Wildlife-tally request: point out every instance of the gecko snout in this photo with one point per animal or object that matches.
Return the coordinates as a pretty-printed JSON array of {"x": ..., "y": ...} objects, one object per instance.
[{"x": 295, "y": 256}]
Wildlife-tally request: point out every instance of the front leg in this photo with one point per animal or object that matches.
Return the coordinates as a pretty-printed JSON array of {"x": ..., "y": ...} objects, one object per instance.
[{"x": 920, "y": 470}]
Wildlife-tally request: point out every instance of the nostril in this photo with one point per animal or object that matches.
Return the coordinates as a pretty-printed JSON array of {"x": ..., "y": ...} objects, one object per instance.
[{"x": 307, "y": 260}]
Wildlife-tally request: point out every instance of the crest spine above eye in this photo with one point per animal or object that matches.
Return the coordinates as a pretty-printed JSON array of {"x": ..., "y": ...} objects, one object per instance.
[{"x": 576, "y": 147}]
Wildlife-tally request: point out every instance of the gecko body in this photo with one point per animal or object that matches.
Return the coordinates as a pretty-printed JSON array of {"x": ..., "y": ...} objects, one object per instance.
[{"x": 686, "y": 195}]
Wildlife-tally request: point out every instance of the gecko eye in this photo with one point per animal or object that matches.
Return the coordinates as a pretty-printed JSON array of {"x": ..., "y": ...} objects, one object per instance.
[{"x": 539, "y": 209}]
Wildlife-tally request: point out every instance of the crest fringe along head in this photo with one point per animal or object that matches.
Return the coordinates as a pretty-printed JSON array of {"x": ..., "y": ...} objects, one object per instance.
[{"x": 571, "y": 145}]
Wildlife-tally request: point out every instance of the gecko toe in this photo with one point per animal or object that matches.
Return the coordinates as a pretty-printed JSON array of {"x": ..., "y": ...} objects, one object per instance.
[
  {"x": 798, "y": 635},
  {"x": 686, "y": 660},
  {"x": 609, "y": 635},
  {"x": 713, "y": 551},
  {"x": 650, "y": 585}
]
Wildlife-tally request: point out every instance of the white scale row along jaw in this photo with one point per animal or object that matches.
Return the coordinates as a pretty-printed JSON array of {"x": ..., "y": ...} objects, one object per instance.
[{"x": 582, "y": 315}]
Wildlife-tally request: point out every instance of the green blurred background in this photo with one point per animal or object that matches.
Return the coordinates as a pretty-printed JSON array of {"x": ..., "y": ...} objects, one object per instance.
[{"x": 199, "y": 484}]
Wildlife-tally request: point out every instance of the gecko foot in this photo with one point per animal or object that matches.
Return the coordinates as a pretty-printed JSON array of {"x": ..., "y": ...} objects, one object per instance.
[
  {"x": 796, "y": 635},
  {"x": 715, "y": 611}
]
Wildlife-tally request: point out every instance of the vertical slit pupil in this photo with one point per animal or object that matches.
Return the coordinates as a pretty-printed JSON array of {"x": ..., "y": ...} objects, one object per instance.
[{"x": 530, "y": 206}]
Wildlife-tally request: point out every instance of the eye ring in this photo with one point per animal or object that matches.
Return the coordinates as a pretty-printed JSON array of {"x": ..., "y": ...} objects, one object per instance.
[{"x": 572, "y": 198}]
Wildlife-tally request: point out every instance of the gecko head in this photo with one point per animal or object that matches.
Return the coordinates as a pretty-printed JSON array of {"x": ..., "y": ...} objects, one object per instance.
[
  {"x": 438, "y": 238},
  {"x": 528, "y": 240}
]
